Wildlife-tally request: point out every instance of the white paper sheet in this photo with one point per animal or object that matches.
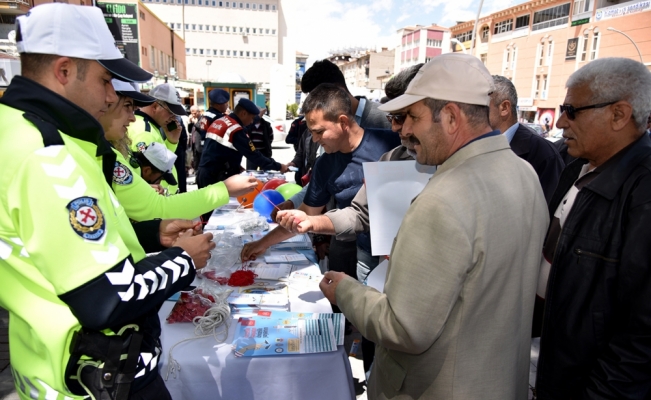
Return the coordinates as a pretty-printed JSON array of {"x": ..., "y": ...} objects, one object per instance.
[
  {"x": 390, "y": 188},
  {"x": 378, "y": 276}
]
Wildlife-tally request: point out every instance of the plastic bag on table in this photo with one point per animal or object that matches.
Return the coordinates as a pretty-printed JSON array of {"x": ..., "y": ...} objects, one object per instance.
[
  {"x": 249, "y": 226},
  {"x": 222, "y": 258},
  {"x": 196, "y": 302}
]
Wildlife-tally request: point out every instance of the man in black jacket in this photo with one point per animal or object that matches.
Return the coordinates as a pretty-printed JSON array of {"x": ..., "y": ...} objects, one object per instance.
[
  {"x": 595, "y": 341},
  {"x": 525, "y": 143}
]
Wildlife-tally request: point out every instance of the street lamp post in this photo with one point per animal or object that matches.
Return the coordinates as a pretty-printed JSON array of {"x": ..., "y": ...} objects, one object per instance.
[
  {"x": 463, "y": 48},
  {"x": 629, "y": 38},
  {"x": 208, "y": 63}
]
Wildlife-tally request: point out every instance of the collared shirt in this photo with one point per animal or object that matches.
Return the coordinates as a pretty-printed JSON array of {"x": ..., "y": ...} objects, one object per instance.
[
  {"x": 509, "y": 133},
  {"x": 360, "y": 110}
]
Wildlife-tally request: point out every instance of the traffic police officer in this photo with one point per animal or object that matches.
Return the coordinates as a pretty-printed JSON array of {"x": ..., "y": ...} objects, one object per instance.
[
  {"x": 157, "y": 123},
  {"x": 74, "y": 274},
  {"x": 130, "y": 184}
]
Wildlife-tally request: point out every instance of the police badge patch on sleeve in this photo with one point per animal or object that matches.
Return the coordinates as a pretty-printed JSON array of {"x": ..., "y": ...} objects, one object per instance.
[
  {"x": 142, "y": 146},
  {"x": 86, "y": 218},
  {"x": 122, "y": 174}
]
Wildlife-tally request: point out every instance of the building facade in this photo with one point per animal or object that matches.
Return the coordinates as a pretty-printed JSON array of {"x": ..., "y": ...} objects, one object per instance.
[
  {"x": 419, "y": 44},
  {"x": 226, "y": 40},
  {"x": 539, "y": 44}
]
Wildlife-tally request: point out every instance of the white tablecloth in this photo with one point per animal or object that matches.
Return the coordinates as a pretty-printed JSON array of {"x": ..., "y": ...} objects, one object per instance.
[{"x": 211, "y": 371}]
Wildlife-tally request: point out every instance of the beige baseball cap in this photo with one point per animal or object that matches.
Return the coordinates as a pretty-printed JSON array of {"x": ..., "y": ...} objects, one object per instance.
[{"x": 453, "y": 77}]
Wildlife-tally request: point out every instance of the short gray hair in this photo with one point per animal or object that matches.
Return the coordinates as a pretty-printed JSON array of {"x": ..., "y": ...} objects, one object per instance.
[
  {"x": 477, "y": 115},
  {"x": 505, "y": 90},
  {"x": 615, "y": 79}
]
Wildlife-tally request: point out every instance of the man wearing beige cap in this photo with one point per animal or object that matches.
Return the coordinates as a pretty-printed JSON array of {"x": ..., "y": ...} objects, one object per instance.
[{"x": 454, "y": 321}]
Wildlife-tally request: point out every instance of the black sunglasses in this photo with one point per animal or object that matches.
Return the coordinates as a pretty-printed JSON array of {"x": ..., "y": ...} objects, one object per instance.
[
  {"x": 397, "y": 118},
  {"x": 570, "y": 111}
]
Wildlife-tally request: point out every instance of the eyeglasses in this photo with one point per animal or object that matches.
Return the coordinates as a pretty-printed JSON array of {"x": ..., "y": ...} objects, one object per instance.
[
  {"x": 397, "y": 118},
  {"x": 162, "y": 104},
  {"x": 570, "y": 111}
]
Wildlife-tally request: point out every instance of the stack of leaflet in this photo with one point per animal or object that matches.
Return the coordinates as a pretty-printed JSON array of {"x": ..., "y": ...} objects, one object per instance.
[
  {"x": 301, "y": 241},
  {"x": 263, "y": 335},
  {"x": 271, "y": 272},
  {"x": 249, "y": 300},
  {"x": 338, "y": 320}
]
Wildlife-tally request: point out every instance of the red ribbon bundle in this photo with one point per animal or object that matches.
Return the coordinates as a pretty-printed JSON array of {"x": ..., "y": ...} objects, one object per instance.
[{"x": 242, "y": 277}]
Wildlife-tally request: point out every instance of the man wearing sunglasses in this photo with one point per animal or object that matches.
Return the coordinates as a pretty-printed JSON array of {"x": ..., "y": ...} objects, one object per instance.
[
  {"x": 158, "y": 123},
  {"x": 595, "y": 276}
]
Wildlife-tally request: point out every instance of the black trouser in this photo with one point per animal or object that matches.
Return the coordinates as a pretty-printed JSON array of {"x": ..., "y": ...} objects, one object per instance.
[{"x": 154, "y": 391}]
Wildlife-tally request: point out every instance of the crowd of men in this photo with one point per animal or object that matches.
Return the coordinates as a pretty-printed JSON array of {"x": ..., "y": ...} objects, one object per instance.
[{"x": 507, "y": 241}]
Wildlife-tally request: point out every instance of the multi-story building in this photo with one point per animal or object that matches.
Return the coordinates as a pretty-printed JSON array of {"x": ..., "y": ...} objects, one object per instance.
[
  {"x": 381, "y": 66},
  {"x": 226, "y": 37},
  {"x": 419, "y": 44},
  {"x": 539, "y": 44}
]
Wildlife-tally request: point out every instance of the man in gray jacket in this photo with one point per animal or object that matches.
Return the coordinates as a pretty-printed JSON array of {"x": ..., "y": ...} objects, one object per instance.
[{"x": 454, "y": 321}]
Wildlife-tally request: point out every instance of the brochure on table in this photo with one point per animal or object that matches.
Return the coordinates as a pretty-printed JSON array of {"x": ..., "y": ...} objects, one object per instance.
[
  {"x": 273, "y": 337},
  {"x": 390, "y": 188}
]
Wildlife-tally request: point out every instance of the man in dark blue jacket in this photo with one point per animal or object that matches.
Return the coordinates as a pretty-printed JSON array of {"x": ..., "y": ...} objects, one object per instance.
[{"x": 525, "y": 143}]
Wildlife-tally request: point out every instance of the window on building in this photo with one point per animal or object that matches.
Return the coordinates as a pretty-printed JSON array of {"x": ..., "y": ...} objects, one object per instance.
[
  {"x": 187, "y": 27},
  {"x": 463, "y": 37},
  {"x": 214, "y": 3},
  {"x": 595, "y": 45},
  {"x": 241, "y": 53},
  {"x": 194, "y": 51},
  {"x": 214, "y": 28},
  {"x": 434, "y": 43},
  {"x": 198, "y": 2},
  {"x": 551, "y": 17},
  {"x": 550, "y": 51},
  {"x": 254, "y": 31},
  {"x": 267, "y": 55},
  {"x": 187, "y": 51},
  {"x": 228, "y": 4},
  {"x": 484, "y": 33},
  {"x": 247, "y": 30},
  {"x": 200, "y": 52},
  {"x": 142, "y": 15},
  {"x": 194, "y": 27},
  {"x": 267, "y": 31},
  {"x": 241, "y": 29},
  {"x": 483, "y": 58},
  {"x": 254, "y": 6},
  {"x": 584, "y": 46},
  {"x": 255, "y": 54},
  {"x": 541, "y": 53},
  {"x": 221, "y": 53},
  {"x": 241, "y": 5},
  {"x": 273, "y": 31},
  {"x": 541, "y": 87},
  {"x": 228, "y": 53},
  {"x": 273, "y": 55},
  {"x": 582, "y": 6},
  {"x": 220, "y": 3},
  {"x": 221, "y": 28},
  {"x": 178, "y": 26},
  {"x": 266, "y": 7},
  {"x": 522, "y": 21},
  {"x": 248, "y": 54},
  {"x": 503, "y": 26},
  {"x": 234, "y": 30},
  {"x": 273, "y": 8},
  {"x": 247, "y": 5},
  {"x": 200, "y": 27},
  {"x": 228, "y": 29}
]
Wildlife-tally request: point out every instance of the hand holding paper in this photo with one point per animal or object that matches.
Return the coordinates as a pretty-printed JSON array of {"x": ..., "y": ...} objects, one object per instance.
[{"x": 295, "y": 221}]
